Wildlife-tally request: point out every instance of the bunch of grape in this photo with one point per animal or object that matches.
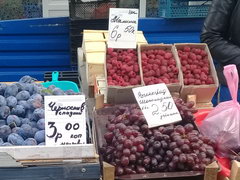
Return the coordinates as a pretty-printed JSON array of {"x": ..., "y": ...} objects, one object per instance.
[
  {"x": 185, "y": 109},
  {"x": 134, "y": 148},
  {"x": 22, "y": 111}
]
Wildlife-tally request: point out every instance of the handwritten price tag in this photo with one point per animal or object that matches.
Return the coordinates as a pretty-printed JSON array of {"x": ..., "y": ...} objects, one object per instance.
[
  {"x": 65, "y": 120},
  {"x": 122, "y": 28},
  {"x": 157, "y": 105}
]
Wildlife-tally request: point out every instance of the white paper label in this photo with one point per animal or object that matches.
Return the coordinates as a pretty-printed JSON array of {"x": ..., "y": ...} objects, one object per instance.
[
  {"x": 123, "y": 24},
  {"x": 65, "y": 120},
  {"x": 157, "y": 105}
]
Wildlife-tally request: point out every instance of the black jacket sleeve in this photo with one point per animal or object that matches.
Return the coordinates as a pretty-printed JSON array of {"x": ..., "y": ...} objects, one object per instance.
[{"x": 216, "y": 32}]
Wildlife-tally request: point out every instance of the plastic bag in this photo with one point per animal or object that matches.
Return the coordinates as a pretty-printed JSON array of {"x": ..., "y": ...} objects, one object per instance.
[{"x": 222, "y": 124}]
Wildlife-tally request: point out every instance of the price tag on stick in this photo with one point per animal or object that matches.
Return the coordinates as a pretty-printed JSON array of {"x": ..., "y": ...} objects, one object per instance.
[
  {"x": 123, "y": 24},
  {"x": 157, "y": 105},
  {"x": 65, "y": 120}
]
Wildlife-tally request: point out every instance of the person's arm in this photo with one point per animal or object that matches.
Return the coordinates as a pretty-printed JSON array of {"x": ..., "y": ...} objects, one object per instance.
[{"x": 215, "y": 29}]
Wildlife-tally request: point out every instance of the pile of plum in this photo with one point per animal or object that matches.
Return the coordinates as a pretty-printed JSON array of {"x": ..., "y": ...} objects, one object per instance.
[{"x": 22, "y": 111}]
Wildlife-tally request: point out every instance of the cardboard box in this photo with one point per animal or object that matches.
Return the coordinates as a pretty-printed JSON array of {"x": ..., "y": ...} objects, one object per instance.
[
  {"x": 120, "y": 94},
  {"x": 204, "y": 93},
  {"x": 174, "y": 87}
]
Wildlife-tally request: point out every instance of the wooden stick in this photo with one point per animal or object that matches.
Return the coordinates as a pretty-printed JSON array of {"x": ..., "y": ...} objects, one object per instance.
[
  {"x": 108, "y": 171},
  {"x": 211, "y": 171},
  {"x": 235, "y": 171}
]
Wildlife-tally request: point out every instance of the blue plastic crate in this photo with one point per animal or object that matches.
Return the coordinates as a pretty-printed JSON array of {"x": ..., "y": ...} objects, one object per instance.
[{"x": 183, "y": 8}]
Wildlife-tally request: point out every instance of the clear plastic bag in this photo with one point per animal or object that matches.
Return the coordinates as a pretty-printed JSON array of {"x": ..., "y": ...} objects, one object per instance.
[{"x": 223, "y": 123}]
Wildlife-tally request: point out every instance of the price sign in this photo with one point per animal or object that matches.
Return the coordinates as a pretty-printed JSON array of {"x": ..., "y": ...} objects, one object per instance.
[
  {"x": 65, "y": 118},
  {"x": 157, "y": 105},
  {"x": 122, "y": 28}
]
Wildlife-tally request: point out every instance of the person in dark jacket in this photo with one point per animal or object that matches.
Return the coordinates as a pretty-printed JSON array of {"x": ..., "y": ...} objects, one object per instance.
[{"x": 221, "y": 31}]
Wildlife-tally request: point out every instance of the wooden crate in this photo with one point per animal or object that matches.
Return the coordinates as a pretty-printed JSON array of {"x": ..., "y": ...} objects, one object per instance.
[
  {"x": 94, "y": 66},
  {"x": 212, "y": 172},
  {"x": 100, "y": 119},
  {"x": 86, "y": 151}
]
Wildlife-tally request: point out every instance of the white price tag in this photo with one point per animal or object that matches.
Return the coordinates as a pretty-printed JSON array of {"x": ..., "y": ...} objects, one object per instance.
[
  {"x": 65, "y": 118},
  {"x": 157, "y": 105},
  {"x": 123, "y": 24}
]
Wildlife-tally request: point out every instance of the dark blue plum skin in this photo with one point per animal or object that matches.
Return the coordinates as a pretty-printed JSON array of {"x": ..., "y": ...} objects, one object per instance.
[
  {"x": 40, "y": 136},
  {"x": 41, "y": 124},
  {"x": 30, "y": 142},
  {"x": 11, "y": 101},
  {"x": 38, "y": 114},
  {"x": 19, "y": 110},
  {"x": 4, "y": 112},
  {"x": 11, "y": 90},
  {"x": 23, "y": 95},
  {"x": 14, "y": 119},
  {"x": 15, "y": 139}
]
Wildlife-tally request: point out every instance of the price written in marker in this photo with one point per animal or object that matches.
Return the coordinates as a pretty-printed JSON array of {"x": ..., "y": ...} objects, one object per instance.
[
  {"x": 122, "y": 28},
  {"x": 65, "y": 120},
  {"x": 157, "y": 105}
]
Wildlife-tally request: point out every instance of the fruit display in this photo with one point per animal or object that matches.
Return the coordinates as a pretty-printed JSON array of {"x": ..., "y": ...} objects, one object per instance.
[
  {"x": 133, "y": 148},
  {"x": 186, "y": 110},
  {"x": 122, "y": 67},
  {"x": 159, "y": 66},
  {"x": 195, "y": 66},
  {"x": 22, "y": 111}
]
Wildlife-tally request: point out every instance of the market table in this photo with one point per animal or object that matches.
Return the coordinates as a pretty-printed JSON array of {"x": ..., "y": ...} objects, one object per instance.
[{"x": 65, "y": 169}]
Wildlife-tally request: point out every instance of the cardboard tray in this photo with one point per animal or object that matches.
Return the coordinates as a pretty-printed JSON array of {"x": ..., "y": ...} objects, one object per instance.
[
  {"x": 119, "y": 94},
  {"x": 174, "y": 87},
  {"x": 204, "y": 93},
  {"x": 100, "y": 120}
]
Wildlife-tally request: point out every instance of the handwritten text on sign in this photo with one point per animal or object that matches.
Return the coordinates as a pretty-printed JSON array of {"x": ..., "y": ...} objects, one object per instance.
[
  {"x": 157, "y": 105},
  {"x": 122, "y": 28},
  {"x": 65, "y": 120}
]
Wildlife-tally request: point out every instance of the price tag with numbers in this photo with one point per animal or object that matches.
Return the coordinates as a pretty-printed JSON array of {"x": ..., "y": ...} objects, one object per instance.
[
  {"x": 123, "y": 24},
  {"x": 65, "y": 120},
  {"x": 157, "y": 105}
]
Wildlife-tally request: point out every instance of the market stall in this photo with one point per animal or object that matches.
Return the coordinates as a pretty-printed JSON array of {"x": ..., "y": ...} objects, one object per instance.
[
  {"x": 139, "y": 106},
  {"x": 127, "y": 138}
]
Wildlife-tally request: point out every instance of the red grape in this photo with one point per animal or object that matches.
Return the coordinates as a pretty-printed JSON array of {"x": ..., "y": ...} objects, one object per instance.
[
  {"x": 128, "y": 143},
  {"x": 134, "y": 148},
  {"x": 132, "y": 158},
  {"x": 124, "y": 161},
  {"x": 140, "y": 148},
  {"x": 126, "y": 152},
  {"x": 119, "y": 171}
]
